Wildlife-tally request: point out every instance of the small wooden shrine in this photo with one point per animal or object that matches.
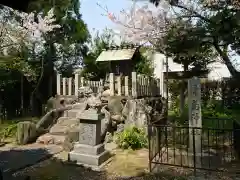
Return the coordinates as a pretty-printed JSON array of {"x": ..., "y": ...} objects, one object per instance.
[{"x": 121, "y": 59}]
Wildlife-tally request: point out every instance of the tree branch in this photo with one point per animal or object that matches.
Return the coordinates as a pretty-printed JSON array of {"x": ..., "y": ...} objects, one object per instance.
[
  {"x": 226, "y": 60},
  {"x": 196, "y": 14}
]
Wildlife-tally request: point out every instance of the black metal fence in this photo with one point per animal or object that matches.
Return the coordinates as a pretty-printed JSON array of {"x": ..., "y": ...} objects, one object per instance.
[{"x": 206, "y": 148}]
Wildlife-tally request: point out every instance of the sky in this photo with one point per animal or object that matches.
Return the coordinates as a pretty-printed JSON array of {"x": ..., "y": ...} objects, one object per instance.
[{"x": 92, "y": 13}]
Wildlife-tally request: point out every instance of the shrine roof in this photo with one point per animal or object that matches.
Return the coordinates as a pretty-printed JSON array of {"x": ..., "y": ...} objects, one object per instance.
[{"x": 117, "y": 53}]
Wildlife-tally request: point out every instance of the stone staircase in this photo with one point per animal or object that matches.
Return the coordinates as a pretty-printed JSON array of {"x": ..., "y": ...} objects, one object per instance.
[{"x": 66, "y": 128}]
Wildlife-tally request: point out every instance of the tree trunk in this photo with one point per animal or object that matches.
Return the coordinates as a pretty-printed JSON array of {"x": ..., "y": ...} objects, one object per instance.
[
  {"x": 28, "y": 131},
  {"x": 50, "y": 84},
  {"x": 50, "y": 118},
  {"x": 182, "y": 91},
  {"x": 227, "y": 61},
  {"x": 182, "y": 99}
]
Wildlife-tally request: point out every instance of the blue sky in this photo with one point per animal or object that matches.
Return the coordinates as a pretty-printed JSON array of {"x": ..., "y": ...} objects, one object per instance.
[{"x": 91, "y": 12}]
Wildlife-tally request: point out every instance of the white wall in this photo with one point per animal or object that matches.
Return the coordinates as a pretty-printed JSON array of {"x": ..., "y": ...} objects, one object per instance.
[{"x": 217, "y": 70}]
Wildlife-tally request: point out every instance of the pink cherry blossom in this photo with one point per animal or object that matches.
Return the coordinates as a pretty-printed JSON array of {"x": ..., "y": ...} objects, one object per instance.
[
  {"x": 26, "y": 31},
  {"x": 141, "y": 24}
]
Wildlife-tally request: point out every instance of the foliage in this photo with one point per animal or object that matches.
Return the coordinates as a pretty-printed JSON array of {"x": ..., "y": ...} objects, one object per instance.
[
  {"x": 141, "y": 25},
  {"x": 219, "y": 25},
  {"x": 91, "y": 69},
  {"x": 8, "y": 128},
  {"x": 68, "y": 51},
  {"x": 19, "y": 31},
  {"x": 144, "y": 64},
  {"x": 132, "y": 137},
  {"x": 7, "y": 132},
  {"x": 27, "y": 66},
  {"x": 184, "y": 45}
]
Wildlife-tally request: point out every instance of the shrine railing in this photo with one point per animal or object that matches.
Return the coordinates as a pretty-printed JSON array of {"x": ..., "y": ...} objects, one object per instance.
[{"x": 137, "y": 85}]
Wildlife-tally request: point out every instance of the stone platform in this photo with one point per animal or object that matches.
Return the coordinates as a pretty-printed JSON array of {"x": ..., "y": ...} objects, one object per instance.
[
  {"x": 89, "y": 156},
  {"x": 89, "y": 151}
]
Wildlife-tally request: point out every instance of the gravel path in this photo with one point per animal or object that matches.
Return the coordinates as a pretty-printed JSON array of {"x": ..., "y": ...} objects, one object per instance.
[{"x": 17, "y": 157}]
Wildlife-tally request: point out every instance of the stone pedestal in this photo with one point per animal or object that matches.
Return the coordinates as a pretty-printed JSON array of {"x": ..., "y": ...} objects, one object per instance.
[{"x": 89, "y": 151}]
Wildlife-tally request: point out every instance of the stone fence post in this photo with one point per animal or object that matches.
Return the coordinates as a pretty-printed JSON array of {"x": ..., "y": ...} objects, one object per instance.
[
  {"x": 112, "y": 84},
  {"x": 134, "y": 84},
  {"x": 59, "y": 84},
  {"x": 76, "y": 81}
]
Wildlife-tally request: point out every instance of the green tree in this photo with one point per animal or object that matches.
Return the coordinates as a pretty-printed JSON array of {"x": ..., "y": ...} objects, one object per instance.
[
  {"x": 184, "y": 46},
  {"x": 69, "y": 50},
  {"x": 64, "y": 48},
  {"x": 91, "y": 69}
]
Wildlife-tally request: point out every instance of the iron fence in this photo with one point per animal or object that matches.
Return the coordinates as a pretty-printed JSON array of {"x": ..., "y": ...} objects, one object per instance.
[{"x": 205, "y": 148}]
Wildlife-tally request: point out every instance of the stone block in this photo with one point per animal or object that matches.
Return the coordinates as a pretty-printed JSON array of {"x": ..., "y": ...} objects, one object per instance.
[
  {"x": 90, "y": 128},
  {"x": 72, "y": 113},
  {"x": 94, "y": 161},
  {"x": 90, "y": 134},
  {"x": 87, "y": 149},
  {"x": 90, "y": 115},
  {"x": 80, "y": 106}
]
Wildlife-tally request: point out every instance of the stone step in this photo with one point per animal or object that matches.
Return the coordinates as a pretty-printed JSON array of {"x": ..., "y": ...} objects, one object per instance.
[
  {"x": 72, "y": 113},
  {"x": 59, "y": 130},
  {"x": 81, "y": 106},
  {"x": 64, "y": 125},
  {"x": 51, "y": 139},
  {"x": 88, "y": 149},
  {"x": 68, "y": 96},
  {"x": 95, "y": 162},
  {"x": 67, "y": 120}
]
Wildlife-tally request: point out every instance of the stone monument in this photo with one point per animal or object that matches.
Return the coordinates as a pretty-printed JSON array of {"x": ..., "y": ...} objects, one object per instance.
[
  {"x": 195, "y": 116},
  {"x": 89, "y": 151}
]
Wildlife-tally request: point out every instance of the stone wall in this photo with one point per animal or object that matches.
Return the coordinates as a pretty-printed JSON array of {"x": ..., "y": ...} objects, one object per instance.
[{"x": 139, "y": 112}]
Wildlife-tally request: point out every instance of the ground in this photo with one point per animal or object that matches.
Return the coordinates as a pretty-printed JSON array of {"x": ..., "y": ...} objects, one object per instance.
[{"x": 125, "y": 164}]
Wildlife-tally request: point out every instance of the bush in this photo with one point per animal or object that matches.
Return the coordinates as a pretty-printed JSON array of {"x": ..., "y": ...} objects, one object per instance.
[
  {"x": 9, "y": 131},
  {"x": 132, "y": 137}
]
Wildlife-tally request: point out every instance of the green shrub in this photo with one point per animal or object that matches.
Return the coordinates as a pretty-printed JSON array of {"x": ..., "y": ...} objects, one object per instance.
[
  {"x": 131, "y": 137},
  {"x": 9, "y": 131}
]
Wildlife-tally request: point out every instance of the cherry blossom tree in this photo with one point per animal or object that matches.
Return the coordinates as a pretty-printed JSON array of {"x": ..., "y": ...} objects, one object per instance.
[
  {"x": 18, "y": 29},
  {"x": 215, "y": 20},
  {"x": 142, "y": 24}
]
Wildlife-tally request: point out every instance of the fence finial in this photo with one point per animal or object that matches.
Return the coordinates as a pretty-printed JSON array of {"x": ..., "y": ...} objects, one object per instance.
[
  {"x": 76, "y": 81},
  {"x": 59, "y": 84}
]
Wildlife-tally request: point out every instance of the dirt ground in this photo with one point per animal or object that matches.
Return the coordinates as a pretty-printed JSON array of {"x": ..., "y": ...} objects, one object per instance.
[{"x": 125, "y": 164}]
